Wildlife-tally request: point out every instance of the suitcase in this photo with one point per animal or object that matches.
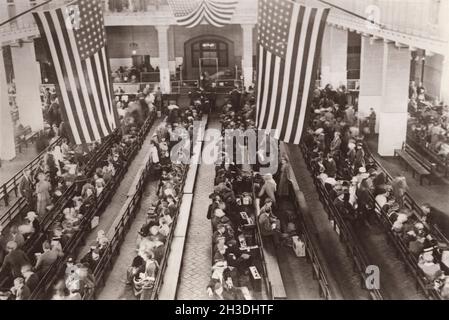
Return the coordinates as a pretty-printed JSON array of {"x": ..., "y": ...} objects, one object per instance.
[{"x": 299, "y": 247}]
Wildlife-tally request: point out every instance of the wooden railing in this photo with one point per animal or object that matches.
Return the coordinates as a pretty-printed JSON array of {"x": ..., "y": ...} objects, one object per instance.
[
  {"x": 33, "y": 243},
  {"x": 345, "y": 233},
  {"x": 12, "y": 185},
  {"x": 407, "y": 257},
  {"x": 311, "y": 251},
  {"x": 163, "y": 265}
]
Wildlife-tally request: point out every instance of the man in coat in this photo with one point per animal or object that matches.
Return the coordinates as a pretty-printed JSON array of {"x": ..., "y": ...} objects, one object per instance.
[
  {"x": 26, "y": 188},
  {"x": 14, "y": 260}
]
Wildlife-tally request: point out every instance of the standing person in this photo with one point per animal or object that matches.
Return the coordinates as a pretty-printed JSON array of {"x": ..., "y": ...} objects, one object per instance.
[
  {"x": 269, "y": 188},
  {"x": 284, "y": 178},
  {"x": 26, "y": 188},
  {"x": 235, "y": 96},
  {"x": 399, "y": 185},
  {"x": 43, "y": 194},
  {"x": 14, "y": 260}
]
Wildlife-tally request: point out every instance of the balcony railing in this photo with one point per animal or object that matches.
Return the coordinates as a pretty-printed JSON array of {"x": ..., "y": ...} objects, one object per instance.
[
  {"x": 133, "y": 5},
  {"x": 420, "y": 18}
]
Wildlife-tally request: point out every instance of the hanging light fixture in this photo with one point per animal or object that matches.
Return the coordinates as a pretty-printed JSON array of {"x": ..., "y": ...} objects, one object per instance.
[{"x": 133, "y": 45}]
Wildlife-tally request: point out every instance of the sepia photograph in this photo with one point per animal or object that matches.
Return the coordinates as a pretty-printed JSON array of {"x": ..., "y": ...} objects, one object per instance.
[{"x": 226, "y": 157}]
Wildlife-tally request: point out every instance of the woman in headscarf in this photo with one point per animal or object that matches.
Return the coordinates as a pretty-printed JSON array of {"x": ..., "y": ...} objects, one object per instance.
[
  {"x": 269, "y": 188},
  {"x": 43, "y": 194}
]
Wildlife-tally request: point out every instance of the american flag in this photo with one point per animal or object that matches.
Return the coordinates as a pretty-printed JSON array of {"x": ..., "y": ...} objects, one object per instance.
[
  {"x": 190, "y": 13},
  {"x": 75, "y": 38},
  {"x": 289, "y": 44}
]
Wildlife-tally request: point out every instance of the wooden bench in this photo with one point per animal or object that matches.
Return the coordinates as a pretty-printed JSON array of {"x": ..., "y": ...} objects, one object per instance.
[
  {"x": 174, "y": 262},
  {"x": 26, "y": 136},
  {"x": 273, "y": 271},
  {"x": 428, "y": 165},
  {"x": 411, "y": 162}
]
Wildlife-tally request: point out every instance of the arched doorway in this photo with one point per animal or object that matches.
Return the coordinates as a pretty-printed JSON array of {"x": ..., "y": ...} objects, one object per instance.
[{"x": 209, "y": 51}]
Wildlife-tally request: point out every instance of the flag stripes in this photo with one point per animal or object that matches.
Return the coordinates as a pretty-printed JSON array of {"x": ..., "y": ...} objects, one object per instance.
[
  {"x": 286, "y": 64},
  {"x": 216, "y": 12},
  {"x": 83, "y": 83}
]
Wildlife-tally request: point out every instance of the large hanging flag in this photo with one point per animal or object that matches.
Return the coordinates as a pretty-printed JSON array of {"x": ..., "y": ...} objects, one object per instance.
[
  {"x": 289, "y": 44},
  {"x": 75, "y": 38},
  {"x": 190, "y": 13}
]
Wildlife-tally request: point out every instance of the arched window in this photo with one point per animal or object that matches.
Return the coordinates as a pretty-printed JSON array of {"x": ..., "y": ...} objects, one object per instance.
[{"x": 212, "y": 49}]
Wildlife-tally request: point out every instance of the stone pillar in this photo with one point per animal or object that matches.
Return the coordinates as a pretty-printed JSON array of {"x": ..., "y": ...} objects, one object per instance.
[
  {"x": 393, "y": 115},
  {"x": 444, "y": 87},
  {"x": 371, "y": 77},
  {"x": 7, "y": 142},
  {"x": 27, "y": 78},
  {"x": 162, "y": 35},
  {"x": 334, "y": 57},
  {"x": 247, "y": 58}
]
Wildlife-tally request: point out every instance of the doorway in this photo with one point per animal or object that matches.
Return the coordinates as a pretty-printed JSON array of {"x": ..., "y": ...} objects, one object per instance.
[{"x": 209, "y": 54}]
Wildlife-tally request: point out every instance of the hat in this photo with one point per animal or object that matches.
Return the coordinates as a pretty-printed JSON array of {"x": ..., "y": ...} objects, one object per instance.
[
  {"x": 31, "y": 215},
  {"x": 362, "y": 170},
  {"x": 319, "y": 131},
  {"x": 70, "y": 260}
]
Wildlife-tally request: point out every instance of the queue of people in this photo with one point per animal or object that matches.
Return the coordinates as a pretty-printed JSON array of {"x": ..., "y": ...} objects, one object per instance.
[{"x": 153, "y": 235}]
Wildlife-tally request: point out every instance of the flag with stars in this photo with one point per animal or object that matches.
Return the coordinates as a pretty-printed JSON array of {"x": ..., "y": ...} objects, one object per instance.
[
  {"x": 75, "y": 37},
  {"x": 190, "y": 13},
  {"x": 289, "y": 44}
]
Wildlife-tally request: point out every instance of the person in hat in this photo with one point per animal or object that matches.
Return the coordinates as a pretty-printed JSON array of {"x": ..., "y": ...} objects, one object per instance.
[
  {"x": 31, "y": 226},
  {"x": 70, "y": 268},
  {"x": 426, "y": 262},
  {"x": 269, "y": 225},
  {"x": 92, "y": 258}
]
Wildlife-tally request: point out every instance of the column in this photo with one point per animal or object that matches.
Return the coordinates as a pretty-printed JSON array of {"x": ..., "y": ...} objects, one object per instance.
[
  {"x": 371, "y": 62},
  {"x": 7, "y": 143},
  {"x": 334, "y": 57},
  {"x": 393, "y": 115},
  {"x": 27, "y": 78},
  {"x": 247, "y": 58},
  {"x": 162, "y": 35},
  {"x": 444, "y": 87}
]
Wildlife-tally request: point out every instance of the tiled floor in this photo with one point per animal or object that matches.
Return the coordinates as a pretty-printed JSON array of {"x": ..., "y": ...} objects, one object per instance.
[
  {"x": 337, "y": 264},
  {"x": 395, "y": 282},
  {"x": 115, "y": 287},
  {"x": 197, "y": 260}
]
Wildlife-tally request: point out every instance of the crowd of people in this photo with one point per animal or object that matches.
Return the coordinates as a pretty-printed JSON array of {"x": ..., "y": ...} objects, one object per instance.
[
  {"x": 236, "y": 263},
  {"x": 153, "y": 235},
  {"x": 429, "y": 121},
  {"x": 132, "y": 74},
  {"x": 62, "y": 168},
  {"x": 358, "y": 188}
]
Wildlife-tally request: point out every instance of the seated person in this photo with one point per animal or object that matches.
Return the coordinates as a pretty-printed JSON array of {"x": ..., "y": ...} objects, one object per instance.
[
  {"x": 45, "y": 259},
  {"x": 20, "y": 290},
  {"x": 431, "y": 269}
]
